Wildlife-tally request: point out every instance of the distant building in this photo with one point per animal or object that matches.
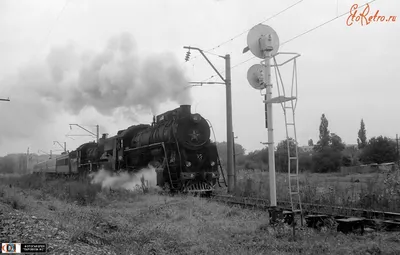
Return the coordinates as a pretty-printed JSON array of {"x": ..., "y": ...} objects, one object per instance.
[
  {"x": 307, "y": 148},
  {"x": 310, "y": 149}
]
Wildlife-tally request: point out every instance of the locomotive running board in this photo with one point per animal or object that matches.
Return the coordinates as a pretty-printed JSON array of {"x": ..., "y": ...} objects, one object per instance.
[{"x": 146, "y": 146}]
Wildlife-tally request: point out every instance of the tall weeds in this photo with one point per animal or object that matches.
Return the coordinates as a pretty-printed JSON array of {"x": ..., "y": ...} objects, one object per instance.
[{"x": 375, "y": 191}]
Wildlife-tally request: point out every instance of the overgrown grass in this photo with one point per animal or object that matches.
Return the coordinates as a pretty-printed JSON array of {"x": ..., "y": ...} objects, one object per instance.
[
  {"x": 12, "y": 198},
  {"x": 377, "y": 191},
  {"x": 138, "y": 223},
  {"x": 73, "y": 191}
]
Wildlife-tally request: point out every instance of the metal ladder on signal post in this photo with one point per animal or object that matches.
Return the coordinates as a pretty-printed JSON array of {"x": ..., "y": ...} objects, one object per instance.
[{"x": 289, "y": 106}]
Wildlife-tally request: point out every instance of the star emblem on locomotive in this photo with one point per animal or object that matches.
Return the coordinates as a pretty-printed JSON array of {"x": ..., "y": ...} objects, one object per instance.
[{"x": 194, "y": 136}]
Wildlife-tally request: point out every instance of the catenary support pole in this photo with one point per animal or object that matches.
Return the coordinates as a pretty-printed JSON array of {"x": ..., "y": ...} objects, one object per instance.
[
  {"x": 27, "y": 160},
  {"x": 234, "y": 162},
  {"x": 229, "y": 128},
  {"x": 97, "y": 133},
  {"x": 397, "y": 156}
]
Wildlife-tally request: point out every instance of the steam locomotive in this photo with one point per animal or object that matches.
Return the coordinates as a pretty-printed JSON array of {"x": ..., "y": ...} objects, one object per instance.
[{"x": 176, "y": 144}]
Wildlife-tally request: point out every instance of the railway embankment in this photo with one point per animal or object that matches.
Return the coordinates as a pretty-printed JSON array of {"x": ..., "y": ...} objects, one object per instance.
[{"x": 74, "y": 217}]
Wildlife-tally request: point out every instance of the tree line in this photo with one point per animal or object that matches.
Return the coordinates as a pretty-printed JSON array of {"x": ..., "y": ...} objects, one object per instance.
[{"x": 327, "y": 155}]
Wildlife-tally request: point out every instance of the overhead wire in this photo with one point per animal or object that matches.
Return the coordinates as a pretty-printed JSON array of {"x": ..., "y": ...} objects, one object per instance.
[
  {"x": 236, "y": 36},
  {"x": 53, "y": 25},
  {"x": 299, "y": 35}
]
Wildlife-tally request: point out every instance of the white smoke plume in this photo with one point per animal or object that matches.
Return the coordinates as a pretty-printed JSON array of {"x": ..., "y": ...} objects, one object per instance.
[
  {"x": 124, "y": 180},
  {"x": 116, "y": 79}
]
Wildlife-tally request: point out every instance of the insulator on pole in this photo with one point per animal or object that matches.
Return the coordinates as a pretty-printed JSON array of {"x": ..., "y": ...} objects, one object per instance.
[{"x": 187, "y": 56}]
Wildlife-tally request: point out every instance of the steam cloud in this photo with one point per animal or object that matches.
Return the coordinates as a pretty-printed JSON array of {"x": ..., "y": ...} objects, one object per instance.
[
  {"x": 124, "y": 180},
  {"x": 116, "y": 77},
  {"x": 113, "y": 80}
]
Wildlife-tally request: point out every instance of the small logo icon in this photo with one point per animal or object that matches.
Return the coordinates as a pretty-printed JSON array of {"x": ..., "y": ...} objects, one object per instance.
[
  {"x": 194, "y": 136},
  {"x": 10, "y": 248}
]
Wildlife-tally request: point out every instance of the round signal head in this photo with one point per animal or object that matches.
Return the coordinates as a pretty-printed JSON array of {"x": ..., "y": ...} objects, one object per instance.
[
  {"x": 253, "y": 76},
  {"x": 258, "y": 32}
]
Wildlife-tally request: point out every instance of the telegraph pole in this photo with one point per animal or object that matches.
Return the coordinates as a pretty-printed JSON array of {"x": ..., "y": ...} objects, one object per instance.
[
  {"x": 27, "y": 160},
  {"x": 397, "y": 156},
  {"x": 229, "y": 124},
  {"x": 234, "y": 161}
]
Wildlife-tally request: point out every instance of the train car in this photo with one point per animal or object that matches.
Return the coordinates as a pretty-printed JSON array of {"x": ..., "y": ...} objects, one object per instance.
[
  {"x": 45, "y": 167},
  {"x": 63, "y": 164}
]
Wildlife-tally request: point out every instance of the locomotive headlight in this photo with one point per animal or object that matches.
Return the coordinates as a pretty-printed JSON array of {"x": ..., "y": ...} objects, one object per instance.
[
  {"x": 196, "y": 117},
  {"x": 188, "y": 164},
  {"x": 212, "y": 163}
]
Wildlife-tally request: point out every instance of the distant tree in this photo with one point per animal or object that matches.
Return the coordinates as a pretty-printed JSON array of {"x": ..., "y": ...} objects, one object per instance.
[
  {"x": 305, "y": 162},
  {"x": 352, "y": 153},
  {"x": 259, "y": 156},
  {"x": 347, "y": 161},
  {"x": 222, "y": 151},
  {"x": 328, "y": 149},
  {"x": 281, "y": 154},
  {"x": 362, "y": 136},
  {"x": 379, "y": 150},
  {"x": 324, "y": 137},
  {"x": 7, "y": 165},
  {"x": 310, "y": 142},
  {"x": 327, "y": 160},
  {"x": 336, "y": 143}
]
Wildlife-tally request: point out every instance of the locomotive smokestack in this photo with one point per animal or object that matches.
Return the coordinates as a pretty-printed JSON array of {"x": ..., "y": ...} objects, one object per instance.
[{"x": 185, "y": 109}]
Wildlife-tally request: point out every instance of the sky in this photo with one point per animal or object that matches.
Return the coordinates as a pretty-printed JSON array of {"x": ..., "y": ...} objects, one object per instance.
[{"x": 116, "y": 63}]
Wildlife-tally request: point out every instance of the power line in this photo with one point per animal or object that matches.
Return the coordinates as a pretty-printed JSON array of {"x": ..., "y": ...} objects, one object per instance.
[
  {"x": 299, "y": 35},
  {"x": 323, "y": 24},
  {"x": 273, "y": 16},
  {"x": 233, "y": 38},
  {"x": 55, "y": 23}
]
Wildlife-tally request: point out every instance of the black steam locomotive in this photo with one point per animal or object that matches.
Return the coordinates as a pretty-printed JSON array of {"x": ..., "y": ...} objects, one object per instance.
[{"x": 177, "y": 144}]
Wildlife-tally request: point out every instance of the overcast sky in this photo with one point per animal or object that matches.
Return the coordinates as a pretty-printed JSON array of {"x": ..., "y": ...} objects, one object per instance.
[{"x": 115, "y": 63}]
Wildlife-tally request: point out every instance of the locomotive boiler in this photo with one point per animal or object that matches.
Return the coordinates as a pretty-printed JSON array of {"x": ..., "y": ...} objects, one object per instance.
[{"x": 178, "y": 146}]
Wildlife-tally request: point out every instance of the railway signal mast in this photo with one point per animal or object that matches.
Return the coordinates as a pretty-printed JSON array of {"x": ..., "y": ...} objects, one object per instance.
[{"x": 263, "y": 42}]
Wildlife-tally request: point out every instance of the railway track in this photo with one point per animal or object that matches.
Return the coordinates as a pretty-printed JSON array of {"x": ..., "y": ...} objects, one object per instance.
[{"x": 317, "y": 215}]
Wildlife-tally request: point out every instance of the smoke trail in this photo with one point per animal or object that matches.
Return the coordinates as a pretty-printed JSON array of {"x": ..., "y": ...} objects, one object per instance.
[
  {"x": 125, "y": 180},
  {"x": 116, "y": 79}
]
